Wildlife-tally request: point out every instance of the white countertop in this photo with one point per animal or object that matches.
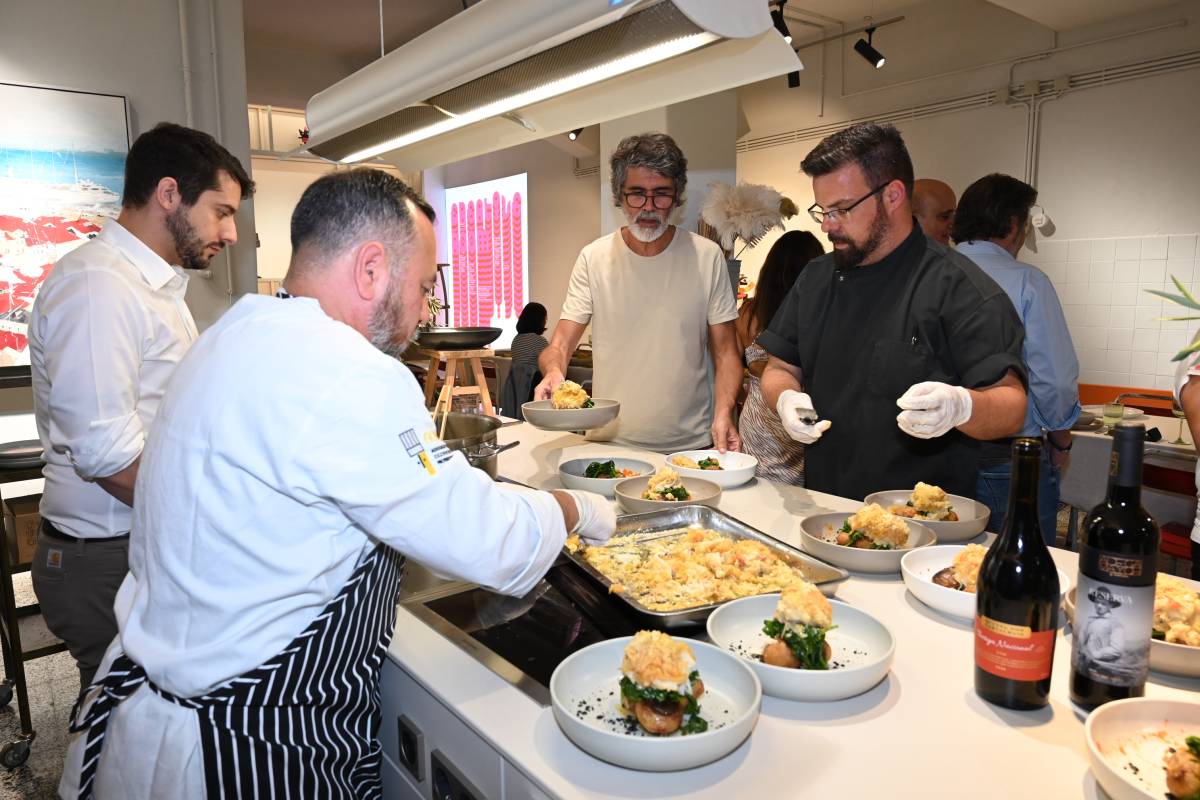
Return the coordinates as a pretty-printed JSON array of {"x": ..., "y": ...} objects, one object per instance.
[{"x": 920, "y": 733}]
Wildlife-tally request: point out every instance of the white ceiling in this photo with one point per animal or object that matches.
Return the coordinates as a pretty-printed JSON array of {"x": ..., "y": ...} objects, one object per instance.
[
  {"x": 1059, "y": 15},
  {"x": 295, "y": 48}
]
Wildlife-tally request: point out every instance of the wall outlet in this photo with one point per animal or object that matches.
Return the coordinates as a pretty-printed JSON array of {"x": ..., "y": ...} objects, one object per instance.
[{"x": 447, "y": 783}]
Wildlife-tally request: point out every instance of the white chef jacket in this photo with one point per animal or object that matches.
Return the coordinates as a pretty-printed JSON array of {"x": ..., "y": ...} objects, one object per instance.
[
  {"x": 108, "y": 328},
  {"x": 286, "y": 448}
]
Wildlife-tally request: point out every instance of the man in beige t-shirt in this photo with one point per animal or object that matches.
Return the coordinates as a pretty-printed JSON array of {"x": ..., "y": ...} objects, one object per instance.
[{"x": 662, "y": 314}]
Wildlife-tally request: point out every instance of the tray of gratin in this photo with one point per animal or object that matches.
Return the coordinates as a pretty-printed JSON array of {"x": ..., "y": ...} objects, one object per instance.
[{"x": 673, "y": 567}]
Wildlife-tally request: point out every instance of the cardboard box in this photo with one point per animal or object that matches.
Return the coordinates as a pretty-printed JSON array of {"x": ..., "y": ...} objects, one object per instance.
[{"x": 21, "y": 523}]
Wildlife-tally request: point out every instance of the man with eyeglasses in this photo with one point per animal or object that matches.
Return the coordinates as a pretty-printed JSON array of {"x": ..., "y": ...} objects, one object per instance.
[
  {"x": 662, "y": 314},
  {"x": 886, "y": 322}
]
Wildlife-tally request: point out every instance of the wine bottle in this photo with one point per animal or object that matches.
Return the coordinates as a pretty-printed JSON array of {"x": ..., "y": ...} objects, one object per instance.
[
  {"x": 1114, "y": 596},
  {"x": 1017, "y": 596}
]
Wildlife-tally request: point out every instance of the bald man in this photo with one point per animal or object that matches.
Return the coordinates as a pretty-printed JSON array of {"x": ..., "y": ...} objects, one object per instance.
[{"x": 933, "y": 204}]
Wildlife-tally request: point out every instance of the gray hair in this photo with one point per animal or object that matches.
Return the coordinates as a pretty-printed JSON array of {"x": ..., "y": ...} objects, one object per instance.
[
  {"x": 654, "y": 151},
  {"x": 343, "y": 208}
]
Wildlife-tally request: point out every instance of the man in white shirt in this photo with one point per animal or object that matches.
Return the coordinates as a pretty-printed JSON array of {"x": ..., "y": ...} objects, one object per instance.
[
  {"x": 291, "y": 465},
  {"x": 661, "y": 310},
  {"x": 1187, "y": 396},
  {"x": 107, "y": 329}
]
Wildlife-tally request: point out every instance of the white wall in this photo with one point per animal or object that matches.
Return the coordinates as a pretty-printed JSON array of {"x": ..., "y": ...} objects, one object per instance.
[
  {"x": 132, "y": 48},
  {"x": 1118, "y": 166},
  {"x": 563, "y": 211}
]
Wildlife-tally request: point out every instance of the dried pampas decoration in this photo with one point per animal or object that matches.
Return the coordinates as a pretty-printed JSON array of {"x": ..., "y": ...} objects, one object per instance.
[{"x": 745, "y": 211}]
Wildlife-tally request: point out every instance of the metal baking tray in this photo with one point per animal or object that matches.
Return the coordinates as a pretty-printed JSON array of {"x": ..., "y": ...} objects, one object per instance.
[{"x": 825, "y": 576}]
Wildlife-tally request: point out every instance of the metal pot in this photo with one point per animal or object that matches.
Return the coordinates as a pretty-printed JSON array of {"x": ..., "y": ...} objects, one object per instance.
[{"x": 474, "y": 435}]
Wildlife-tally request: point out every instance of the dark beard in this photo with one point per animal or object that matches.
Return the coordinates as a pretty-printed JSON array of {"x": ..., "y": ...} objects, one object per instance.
[
  {"x": 188, "y": 246},
  {"x": 854, "y": 255},
  {"x": 385, "y": 322}
]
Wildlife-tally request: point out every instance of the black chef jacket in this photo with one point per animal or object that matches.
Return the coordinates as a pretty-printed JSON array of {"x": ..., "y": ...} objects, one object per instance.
[{"x": 863, "y": 335}]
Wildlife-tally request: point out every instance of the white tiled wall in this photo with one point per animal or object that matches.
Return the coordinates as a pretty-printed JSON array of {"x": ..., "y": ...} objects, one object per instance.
[{"x": 1115, "y": 324}]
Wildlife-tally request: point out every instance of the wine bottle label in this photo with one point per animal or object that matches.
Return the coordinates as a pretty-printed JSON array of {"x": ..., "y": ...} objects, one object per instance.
[
  {"x": 1116, "y": 569},
  {"x": 1015, "y": 652},
  {"x": 1111, "y": 634}
]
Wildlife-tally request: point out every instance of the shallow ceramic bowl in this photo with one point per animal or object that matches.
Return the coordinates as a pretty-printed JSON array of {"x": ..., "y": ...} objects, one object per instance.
[
  {"x": 736, "y": 468},
  {"x": 972, "y": 515},
  {"x": 571, "y": 473},
  {"x": 1173, "y": 659},
  {"x": 918, "y": 568},
  {"x": 862, "y": 650},
  {"x": 629, "y": 494},
  {"x": 542, "y": 414},
  {"x": 1127, "y": 739},
  {"x": 818, "y": 534},
  {"x": 585, "y": 697}
]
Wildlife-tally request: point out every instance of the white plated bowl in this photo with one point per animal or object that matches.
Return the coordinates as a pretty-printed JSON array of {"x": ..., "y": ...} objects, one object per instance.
[
  {"x": 736, "y": 468},
  {"x": 542, "y": 414},
  {"x": 1126, "y": 741},
  {"x": 862, "y": 650},
  {"x": 918, "y": 568},
  {"x": 818, "y": 534},
  {"x": 585, "y": 694},
  {"x": 629, "y": 494},
  {"x": 972, "y": 515},
  {"x": 571, "y": 473},
  {"x": 1172, "y": 659}
]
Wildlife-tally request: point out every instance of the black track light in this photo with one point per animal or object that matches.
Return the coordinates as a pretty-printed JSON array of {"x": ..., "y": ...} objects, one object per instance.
[
  {"x": 864, "y": 48},
  {"x": 793, "y": 80},
  {"x": 573, "y": 135},
  {"x": 781, "y": 23}
]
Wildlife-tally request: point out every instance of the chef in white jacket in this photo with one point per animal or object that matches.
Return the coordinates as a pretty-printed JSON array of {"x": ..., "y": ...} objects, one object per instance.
[{"x": 291, "y": 468}]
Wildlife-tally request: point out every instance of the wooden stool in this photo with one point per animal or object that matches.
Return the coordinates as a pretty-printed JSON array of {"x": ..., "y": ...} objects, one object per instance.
[{"x": 451, "y": 388}]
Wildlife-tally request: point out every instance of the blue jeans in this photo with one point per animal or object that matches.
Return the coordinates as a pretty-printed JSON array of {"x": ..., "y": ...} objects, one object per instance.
[{"x": 992, "y": 489}]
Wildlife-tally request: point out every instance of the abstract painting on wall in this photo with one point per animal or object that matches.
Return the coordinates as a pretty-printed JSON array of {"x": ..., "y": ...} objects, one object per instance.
[
  {"x": 488, "y": 231},
  {"x": 62, "y": 169}
]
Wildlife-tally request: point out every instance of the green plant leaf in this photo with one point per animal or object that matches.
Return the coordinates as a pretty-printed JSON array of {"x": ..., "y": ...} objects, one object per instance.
[
  {"x": 1187, "y": 351},
  {"x": 1177, "y": 319},
  {"x": 1187, "y": 302}
]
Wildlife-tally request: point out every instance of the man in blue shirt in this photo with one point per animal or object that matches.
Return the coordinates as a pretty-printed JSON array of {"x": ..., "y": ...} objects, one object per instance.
[{"x": 990, "y": 225}]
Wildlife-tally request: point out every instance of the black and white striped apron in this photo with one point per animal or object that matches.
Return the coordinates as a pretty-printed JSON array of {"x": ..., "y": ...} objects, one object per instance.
[{"x": 302, "y": 725}]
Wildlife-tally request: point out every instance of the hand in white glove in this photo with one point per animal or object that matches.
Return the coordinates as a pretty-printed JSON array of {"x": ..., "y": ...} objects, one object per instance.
[
  {"x": 597, "y": 520},
  {"x": 799, "y": 419},
  {"x": 933, "y": 409}
]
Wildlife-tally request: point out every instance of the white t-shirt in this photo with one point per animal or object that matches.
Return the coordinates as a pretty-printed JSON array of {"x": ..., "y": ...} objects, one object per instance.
[
  {"x": 1187, "y": 368},
  {"x": 107, "y": 330},
  {"x": 650, "y": 318}
]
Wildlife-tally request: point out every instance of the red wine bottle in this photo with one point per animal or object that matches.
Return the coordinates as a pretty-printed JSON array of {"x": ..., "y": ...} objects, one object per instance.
[
  {"x": 1017, "y": 597},
  {"x": 1114, "y": 596}
]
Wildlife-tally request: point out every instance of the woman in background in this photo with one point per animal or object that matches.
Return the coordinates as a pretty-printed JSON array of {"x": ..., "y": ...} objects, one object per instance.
[
  {"x": 528, "y": 344},
  {"x": 780, "y": 458}
]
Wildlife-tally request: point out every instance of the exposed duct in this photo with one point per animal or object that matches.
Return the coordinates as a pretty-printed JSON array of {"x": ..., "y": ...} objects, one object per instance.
[{"x": 520, "y": 68}]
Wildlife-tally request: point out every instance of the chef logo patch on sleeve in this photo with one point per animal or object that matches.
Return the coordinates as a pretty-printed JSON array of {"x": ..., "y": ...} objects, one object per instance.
[{"x": 416, "y": 450}]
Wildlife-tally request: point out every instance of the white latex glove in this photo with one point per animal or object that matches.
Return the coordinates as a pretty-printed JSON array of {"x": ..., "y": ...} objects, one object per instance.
[
  {"x": 933, "y": 409},
  {"x": 799, "y": 419},
  {"x": 597, "y": 520}
]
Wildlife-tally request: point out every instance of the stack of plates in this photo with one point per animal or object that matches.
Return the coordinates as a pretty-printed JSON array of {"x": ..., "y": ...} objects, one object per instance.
[{"x": 25, "y": 454}]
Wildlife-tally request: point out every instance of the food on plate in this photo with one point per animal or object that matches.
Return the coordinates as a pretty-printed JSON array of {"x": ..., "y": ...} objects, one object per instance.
[
  {"x": 704, "y": 463},
  {"x": 1183, "y": 770},
  {"x": 1176, "y": 612},
  {"x": 964, "y": 572},
  {"x": 607, "y": 469},
  {"x": 573, "y": 543},
  {"x": 570, "y": 394},
  {"x": 797, "y": 630},
  {"x": 689, "y": 568},
  {"x": 927, "y": 502},
  {"x": 872, "y": 527},
  {"x": 665, "y": 485},
  {"x": 660, "y": 685}
]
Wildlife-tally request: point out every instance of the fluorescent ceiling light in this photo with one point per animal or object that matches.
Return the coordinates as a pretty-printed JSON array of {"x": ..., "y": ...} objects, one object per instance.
[{"x": 610, "y": 69}]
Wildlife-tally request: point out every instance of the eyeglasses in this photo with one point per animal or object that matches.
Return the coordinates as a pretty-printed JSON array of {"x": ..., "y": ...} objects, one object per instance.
[
  {"x": 819, "y": 214},
  {"x": 638, "y": 200}
]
